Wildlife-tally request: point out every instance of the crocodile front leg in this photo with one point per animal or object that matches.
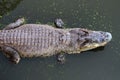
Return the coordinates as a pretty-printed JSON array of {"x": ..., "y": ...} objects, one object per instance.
[
  {"x": 61, "y": 58},
  {"x": 15, "y": 24},
  {"x": 59, "y": 23},
  {"x": 11, "y": 53}
]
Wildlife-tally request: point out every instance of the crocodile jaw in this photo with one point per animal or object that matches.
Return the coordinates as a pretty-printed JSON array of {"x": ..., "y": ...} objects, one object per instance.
[
  {"x": 83, "y": 39},
  {"x": 93, "y": 45}
]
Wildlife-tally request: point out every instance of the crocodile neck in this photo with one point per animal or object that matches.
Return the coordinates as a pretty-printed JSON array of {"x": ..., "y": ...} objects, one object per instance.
[{"x": 70, "y": 42}]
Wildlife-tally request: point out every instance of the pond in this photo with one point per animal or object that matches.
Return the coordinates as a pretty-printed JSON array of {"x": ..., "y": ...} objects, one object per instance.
[{"x": 99, "y": 64}]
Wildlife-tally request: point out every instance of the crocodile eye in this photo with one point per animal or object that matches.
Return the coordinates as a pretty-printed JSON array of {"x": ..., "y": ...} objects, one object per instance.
[
  {"x": 102, "y": 40},
  {"x": 85, "y": 42},
  {"x": 83, "y": 33}
]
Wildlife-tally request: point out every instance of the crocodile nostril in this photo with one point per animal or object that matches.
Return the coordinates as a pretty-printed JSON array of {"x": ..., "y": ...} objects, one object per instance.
[
  {"x": 108, "y": 36},
  {"x": 102, "y": 40}
]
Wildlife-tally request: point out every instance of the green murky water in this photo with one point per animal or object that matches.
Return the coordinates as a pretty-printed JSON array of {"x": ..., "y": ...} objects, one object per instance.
[{"x": 91, "y": 65}]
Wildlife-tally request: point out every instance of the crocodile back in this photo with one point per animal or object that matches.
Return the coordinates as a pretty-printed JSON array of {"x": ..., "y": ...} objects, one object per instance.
[{"x": 32, "y": 39}]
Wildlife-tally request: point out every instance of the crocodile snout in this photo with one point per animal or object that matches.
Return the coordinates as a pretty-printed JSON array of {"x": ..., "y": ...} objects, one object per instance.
[
  {"x": 95, "y": 39},
  {"x": 108, "y": 37},
  {"x": 100, "y": 36}
]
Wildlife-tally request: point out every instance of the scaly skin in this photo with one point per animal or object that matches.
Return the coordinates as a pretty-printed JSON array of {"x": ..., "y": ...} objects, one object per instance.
[
  {"x": 29, "y": 40},
  {"x": 35, "y": 40}
]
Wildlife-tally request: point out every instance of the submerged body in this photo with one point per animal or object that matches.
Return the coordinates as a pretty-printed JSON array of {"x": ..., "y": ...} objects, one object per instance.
[{"x": 30, "y": 40}]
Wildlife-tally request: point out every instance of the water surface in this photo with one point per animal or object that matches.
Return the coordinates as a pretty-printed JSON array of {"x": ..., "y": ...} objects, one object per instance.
[{"x": 100, "y": 64}]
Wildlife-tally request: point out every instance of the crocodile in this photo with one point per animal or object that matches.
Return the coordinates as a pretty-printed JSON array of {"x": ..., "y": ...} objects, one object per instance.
[{"x": 19, "y": 40}]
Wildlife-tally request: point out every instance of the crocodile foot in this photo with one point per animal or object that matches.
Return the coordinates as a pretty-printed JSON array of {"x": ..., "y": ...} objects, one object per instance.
[
  {"x": 61, "y": 58},
  {"x": 15, "y": 24},
  {"x": 11, "y": 53},
  {"x": 59, "y": 23}
]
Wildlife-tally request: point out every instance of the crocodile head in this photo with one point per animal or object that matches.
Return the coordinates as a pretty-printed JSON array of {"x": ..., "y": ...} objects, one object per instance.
[{"x": 88, "y": 39}]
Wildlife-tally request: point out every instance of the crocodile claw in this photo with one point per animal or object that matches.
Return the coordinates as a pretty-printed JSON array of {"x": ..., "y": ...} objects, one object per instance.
[{"x": 59, "y": 23}]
